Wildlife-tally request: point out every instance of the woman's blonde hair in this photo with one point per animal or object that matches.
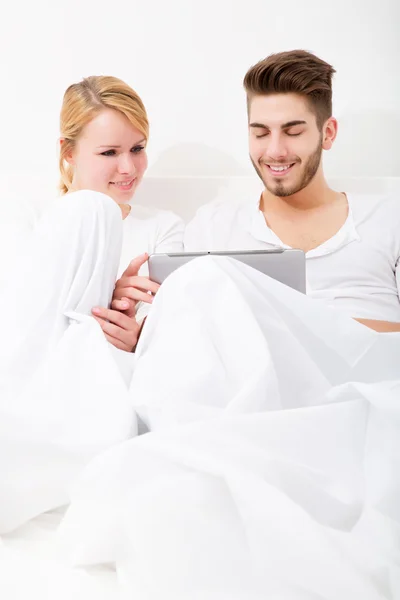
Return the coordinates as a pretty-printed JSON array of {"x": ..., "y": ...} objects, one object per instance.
[{"x": 82, "y": 102}]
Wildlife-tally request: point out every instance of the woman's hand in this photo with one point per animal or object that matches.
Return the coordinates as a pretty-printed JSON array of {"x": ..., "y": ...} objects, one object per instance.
[
  {"x": 121, "y": 330},
  {"x": 133, "y": 288}
]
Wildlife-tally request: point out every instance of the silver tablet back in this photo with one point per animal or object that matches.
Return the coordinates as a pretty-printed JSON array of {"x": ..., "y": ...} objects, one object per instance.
[{"x": 286, "y": 266}]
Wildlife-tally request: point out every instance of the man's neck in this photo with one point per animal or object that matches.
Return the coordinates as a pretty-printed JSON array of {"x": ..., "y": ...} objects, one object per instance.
[{"x": 316, "y": 195}]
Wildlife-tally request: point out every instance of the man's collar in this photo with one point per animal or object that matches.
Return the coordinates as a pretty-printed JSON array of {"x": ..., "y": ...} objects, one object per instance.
[{"x": 259, "y": 229}]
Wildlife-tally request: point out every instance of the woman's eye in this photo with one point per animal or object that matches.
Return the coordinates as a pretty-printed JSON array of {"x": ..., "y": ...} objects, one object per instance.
[
  {"x": 137, "y": 149},
  {"x": 108, "y": 153}
]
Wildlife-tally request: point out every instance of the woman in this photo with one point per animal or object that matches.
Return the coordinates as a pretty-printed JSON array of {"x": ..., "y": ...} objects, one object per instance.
[
  {"x": 104, "y": 133},
  {"x": 63, "y": 397}
]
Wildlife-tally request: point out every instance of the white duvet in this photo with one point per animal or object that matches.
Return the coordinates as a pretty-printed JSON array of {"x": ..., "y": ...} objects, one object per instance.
[
  {"x": 33, "y": 565},
  {"x": 272, "y": 466}
]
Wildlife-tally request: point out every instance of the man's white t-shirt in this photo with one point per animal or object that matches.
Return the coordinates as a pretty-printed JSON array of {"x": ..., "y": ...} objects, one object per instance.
[{"x": 357, "y": 270}]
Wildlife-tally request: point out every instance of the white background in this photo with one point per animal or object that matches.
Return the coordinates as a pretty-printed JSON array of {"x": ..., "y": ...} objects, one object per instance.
[{"x": 187, "y": 60}]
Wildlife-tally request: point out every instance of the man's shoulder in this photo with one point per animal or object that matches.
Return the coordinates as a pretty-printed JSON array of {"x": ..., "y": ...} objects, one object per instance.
[{"x": 375, "y": 207}]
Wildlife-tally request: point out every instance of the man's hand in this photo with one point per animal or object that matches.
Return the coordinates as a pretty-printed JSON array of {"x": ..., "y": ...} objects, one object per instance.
[
  {"x": 120, "y": 330},
  {"x": 133, "y": 288}
]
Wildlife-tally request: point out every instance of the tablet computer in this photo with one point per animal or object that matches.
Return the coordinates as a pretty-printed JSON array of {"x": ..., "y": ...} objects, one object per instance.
[{"x": 287, "y": 266}]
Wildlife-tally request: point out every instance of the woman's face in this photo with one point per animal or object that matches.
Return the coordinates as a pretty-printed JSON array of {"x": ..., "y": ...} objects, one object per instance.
[{"x": 109, "y": 156}]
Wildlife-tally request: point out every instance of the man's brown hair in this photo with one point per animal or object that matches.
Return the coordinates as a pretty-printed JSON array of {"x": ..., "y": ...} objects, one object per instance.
[{"x": 295, "y": 72}]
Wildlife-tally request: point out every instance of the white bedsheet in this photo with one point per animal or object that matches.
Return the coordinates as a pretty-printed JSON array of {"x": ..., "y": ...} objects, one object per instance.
[
  {"x": 33, "y": 565},
  {"x": 273, "y": 468}
]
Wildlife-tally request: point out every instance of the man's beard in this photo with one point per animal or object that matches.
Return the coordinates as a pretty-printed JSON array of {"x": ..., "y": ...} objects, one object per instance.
[{"x": 309, "y": 172}]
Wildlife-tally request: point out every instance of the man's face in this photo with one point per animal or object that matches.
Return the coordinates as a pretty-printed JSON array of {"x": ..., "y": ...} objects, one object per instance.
[{"x": 285, "y": 142}]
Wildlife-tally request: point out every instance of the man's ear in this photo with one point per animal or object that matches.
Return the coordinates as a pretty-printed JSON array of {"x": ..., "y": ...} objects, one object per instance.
[
  {"x": 329, "y": 133},
  {"x": 67, "y": 153}
]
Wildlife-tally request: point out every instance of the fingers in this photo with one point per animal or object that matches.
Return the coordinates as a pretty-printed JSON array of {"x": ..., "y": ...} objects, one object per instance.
[
  {"x": 138, "y": 289},
  {"x": 116, "y": 332},
  {"x": 115, "y": 318},
  {"x": 125, "y": 305},
  {"x": 141, "y": 283},
  {"x": 135, "y": 264},
  {"x": 121, "y": 305},
  {"x": 132, "y": 294},
  {"x": 119, "y": 329},
  {"x": 118, "y": 344}
]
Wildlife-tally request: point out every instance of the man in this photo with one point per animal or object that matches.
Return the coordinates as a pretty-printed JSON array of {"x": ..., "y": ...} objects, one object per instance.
[{"x": 352, "y": 243}]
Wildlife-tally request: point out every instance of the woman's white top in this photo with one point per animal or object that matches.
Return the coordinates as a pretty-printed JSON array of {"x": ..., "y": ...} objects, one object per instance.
[{"x": 149, "y": 230}]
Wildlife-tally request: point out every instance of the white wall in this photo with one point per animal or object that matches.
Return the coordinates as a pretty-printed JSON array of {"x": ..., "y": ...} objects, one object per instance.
[{"x": 187, "y": 59}]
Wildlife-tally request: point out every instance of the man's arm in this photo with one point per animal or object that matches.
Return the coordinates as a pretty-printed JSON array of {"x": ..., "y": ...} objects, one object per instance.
[
  {"x": 381, "y": 326},
  {"x": 385, "y": 326}
]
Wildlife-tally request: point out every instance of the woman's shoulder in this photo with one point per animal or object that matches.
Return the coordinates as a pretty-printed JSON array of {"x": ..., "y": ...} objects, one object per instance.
[{"x": 155, "y": 224}]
